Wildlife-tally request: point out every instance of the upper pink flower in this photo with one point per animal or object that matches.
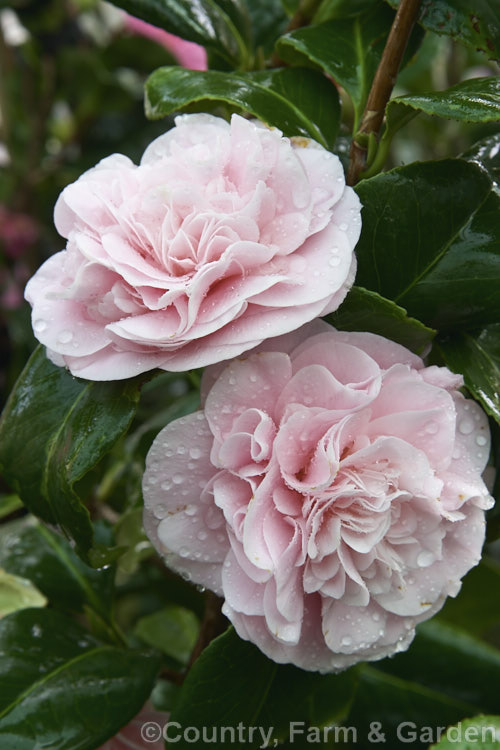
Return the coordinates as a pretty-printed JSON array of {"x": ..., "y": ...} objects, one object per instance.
[
  {"x": 330, "y": 490},
  {"x": 226, "y": 234}
]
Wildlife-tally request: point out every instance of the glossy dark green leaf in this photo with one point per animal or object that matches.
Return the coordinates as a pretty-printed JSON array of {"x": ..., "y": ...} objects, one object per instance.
[
  {"x": 477, "y": 357},
  {"x": 439, "y": 658},
  {"x": 396, "y": 711},
  {"x": 335, "y": 9},
  {"x": 268, "y": 20},
  {"x": 487, "y": 153},
  {"x": 474, "y": 100},
  {"x": 364, "y": 310},
  {"x": 348, "y": 50},
  {"x": 172, "y": 630},
  {"x": 431, "y": 242},
  {"x": 233, "y": 682},
  {"x": 44, "y": 557},
  {"x": 307, "y": 698},
  {"x": 298, "y": 101},
  {"x": 477, "y": 595},
  {"x": 480, "y": 731},
  {"x": 475, "y": 23},
  {"x": 53, "y": 430},
  {"x": 219, "y": 26},
  {"x": 62, "y": 687}
]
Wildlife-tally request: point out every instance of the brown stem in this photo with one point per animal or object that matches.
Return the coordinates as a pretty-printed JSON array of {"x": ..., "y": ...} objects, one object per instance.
[
  {"x": 213, "y": 625},
  {"x": 383, "y": 83}
]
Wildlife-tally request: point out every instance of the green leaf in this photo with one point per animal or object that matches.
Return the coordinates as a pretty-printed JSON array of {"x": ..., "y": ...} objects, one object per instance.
[
  {"x": 439, "y": 658},
  {"x": 477, "y": 595},
  {"x": 481, "y": 731},
  {"x": 45, "y": 558},
  {"x": 400, "y": 709},
  {"x": 268, "y": 21},
  {"x": 54, "y": 429},
  {"x": 296, "y": 100},
  {"x": 474, "y": 100},
  {"x": 486, "y": 153},
  {"x": 363, "y": 310},
  {"x": 430, "y": 241},
  {"x": 59, "y": 683},
  {"x": 334, "y": 9},
  {"x": 475, "y": 23},
  {"x": 221, "y": 27},
  {"x": 173, "y": 630},
  {"x": 477, "y": 357},
  {"x": 18, "y": 593},
  {"x": 347, "y": 50},
  {"x": 214, "y": 693},
  {"x": 9, "y": 504}
]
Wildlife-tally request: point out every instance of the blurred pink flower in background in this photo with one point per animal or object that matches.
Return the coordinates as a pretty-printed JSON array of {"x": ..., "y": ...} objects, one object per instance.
[
  {"x": 18, "y": 232},
  {"x": 144, "y": 731},
  {"x": 189, "y": 54}
]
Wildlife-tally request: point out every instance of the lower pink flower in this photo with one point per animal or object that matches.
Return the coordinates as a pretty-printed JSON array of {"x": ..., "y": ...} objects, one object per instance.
[{"x": 330, "y": 490}]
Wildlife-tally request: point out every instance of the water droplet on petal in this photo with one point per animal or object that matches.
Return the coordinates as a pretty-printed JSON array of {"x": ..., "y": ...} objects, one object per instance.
[
  {"x": 481, "y": 440},
  {"x": 39, "y": 325},
  {"x": 465, "y": 427},
  {"x": 64, "y": 337},
  {"x": 202, "y": 535},
  {"x": 36, "y": 631},
  {"x": 183, "y": 552},
  {"x": 177, "y": 479},
  {"x": 425, "y": 558},
  {"x": 334, "y": 261},
  {"x": 195, "y": 452},
  {"x": 346, "y": 640},
  {"x": 343, "y": 227},
  {"x": 160, "y": 511}
]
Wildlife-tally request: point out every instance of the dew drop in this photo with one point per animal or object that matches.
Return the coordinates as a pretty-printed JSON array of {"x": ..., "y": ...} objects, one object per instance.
[
  {"x": 232, "y": 381},
  {"x": 376, "y": 616},
  {"x": 343, "y": 227},
  {"x": 202, "y": 535},
  {"x": 64, "y": 337},
  {"x": 167, "y": 485},
  {"x": 36, "y": 631},
  {"x": 183, "y": 552},
  {"x": 181, "y": 449},
  {"x": 334, "y": 261},
  {"x": 346, "y": 640},
  {"x": 177, "y": 479},
  {"x": 465, "y": 427},
  {"x": 253, "y": 378},
  {"x": 481, "y": 440},
  {"x": 425, "y": 558},
  {"x": 160, "y": 512},
  {"x": 39, "y": 325},
  {"x": 431, "y": 428},
  {"x": 195, "y": 453},
  {"x": 227, "y": 564}
]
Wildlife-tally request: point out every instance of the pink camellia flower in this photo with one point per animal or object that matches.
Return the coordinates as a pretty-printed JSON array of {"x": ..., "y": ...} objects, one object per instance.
[
  {"x": 330, "y": 491},
  {"x": 225, "y": 235}
]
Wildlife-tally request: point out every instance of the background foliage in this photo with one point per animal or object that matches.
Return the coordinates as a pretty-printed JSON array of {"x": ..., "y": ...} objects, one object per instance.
[{"x": 92, "y": 623}]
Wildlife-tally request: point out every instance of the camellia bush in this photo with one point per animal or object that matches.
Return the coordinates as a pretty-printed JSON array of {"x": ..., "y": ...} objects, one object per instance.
[{"x": 249, "y": 467}]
